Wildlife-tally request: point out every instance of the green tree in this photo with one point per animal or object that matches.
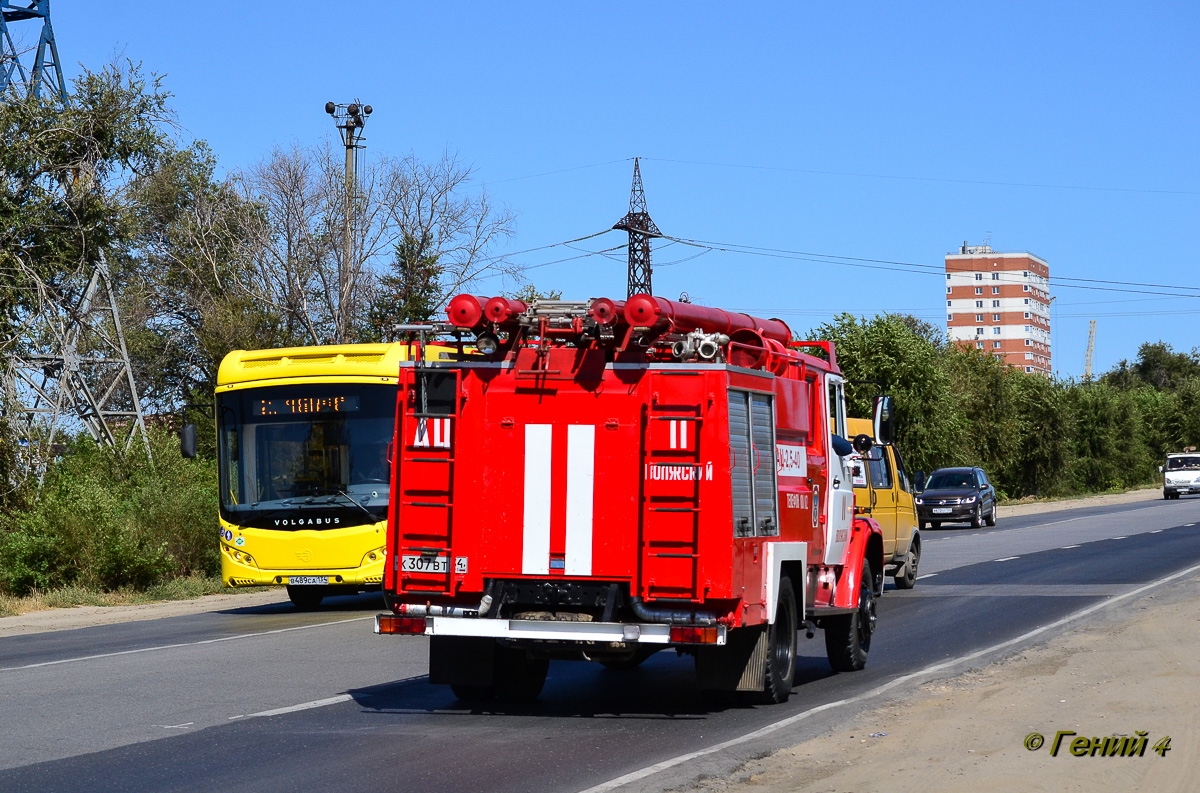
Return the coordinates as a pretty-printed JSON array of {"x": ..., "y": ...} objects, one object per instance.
[
  {"x": 907, "y": 360},
  {"x": 410, "y": 292}
]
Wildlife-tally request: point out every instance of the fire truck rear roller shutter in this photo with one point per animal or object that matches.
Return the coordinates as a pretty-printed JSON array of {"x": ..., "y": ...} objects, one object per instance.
[
  {"x": 741, "y": 464},
  {"x": 766, "y": 497}
]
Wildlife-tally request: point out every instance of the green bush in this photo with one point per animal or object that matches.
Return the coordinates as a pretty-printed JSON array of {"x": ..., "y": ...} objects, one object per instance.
[{"x": 109, "y": 521}]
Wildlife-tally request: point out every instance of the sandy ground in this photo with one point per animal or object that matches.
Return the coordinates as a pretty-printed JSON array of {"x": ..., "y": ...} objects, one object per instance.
[
  {"x": 90, "y": 616},
  {"x": 1136, "y": 667}
]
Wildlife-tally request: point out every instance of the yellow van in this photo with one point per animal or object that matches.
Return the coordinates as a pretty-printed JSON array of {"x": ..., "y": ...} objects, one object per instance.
[{"x": 882, "y": 486}]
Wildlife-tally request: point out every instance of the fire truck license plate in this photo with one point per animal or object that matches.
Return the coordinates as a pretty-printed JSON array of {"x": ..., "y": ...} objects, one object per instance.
[
  {"x": 425, "y": 564},
  {"x": 309, "y": 580},
  {"x": 942, "y": 510}
]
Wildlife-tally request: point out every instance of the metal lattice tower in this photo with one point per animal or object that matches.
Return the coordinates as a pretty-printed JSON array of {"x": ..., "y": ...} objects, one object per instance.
[
  {"x": 641, "y": 229},
  {"x": 70, "y": 372},
  {"x": 47, "y": 69},
  {"x": 67, "y": 369}
]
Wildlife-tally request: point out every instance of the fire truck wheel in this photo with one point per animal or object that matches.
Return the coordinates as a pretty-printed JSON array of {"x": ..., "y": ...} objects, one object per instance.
[
  {"x": 305, "y": 598},
  {"x": 909, "y": 579},
  {"x": 472, "y": 694},
  {"x": 848, "y": 636},
  {"x": 781, "y": 647},
  {"x": 516, "y": 676}
]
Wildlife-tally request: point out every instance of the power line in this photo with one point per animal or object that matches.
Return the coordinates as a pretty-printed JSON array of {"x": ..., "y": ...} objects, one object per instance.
[{"x": 896, "y": 177}]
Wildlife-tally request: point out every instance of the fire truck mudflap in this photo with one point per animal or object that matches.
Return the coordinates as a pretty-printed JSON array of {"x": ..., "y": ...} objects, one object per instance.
[{"x": 600, "y": 480}]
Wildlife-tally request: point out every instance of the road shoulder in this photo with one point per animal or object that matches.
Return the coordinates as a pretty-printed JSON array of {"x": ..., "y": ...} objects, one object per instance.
[{"x": 1132, "y": 668}]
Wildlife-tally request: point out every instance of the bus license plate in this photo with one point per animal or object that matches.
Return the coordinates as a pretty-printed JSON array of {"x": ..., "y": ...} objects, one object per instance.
[
  {"x": 308, "y": 580},
  {"x": 425, "y": 564},
  {"x": 942, "y": 510}
]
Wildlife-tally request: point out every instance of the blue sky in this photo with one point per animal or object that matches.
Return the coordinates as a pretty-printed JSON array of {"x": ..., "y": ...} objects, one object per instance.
[{"x": 890, "y": 131}]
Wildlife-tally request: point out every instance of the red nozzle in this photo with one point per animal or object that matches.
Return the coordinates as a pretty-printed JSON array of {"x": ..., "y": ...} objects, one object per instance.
[
  {"x": 466, "y": 311},
  {"x": 503, "y": 309}
]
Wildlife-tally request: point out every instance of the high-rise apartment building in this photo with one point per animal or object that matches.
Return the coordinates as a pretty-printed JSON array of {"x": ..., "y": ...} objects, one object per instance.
[{"x": 1000, "y": 303}]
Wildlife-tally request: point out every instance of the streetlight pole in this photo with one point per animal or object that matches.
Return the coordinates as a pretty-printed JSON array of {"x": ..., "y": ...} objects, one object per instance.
[{"x": 350, "y": 120}]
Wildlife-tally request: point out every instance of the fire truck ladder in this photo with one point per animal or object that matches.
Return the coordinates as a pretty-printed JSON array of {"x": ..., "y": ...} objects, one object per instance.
[
  {"x": 425, "y": 485},
  {"x": 672, "y": 474}
]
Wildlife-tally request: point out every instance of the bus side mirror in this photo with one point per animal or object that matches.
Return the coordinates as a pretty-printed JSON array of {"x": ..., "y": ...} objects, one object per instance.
[
  {"x": 919, "y": 481},
  {"x": 885, "y": 420},
  {"x": 187, "y": 441}
]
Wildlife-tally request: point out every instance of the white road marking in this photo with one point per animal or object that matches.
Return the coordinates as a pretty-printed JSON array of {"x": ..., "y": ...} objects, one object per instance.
[
  {"x": 174, "y": 726},
  {"x": 634, "y": 776},
  {"x": 926, "y": 575},
  {"x": 1068, "y": 547},
  {"x": 1189, "y": 524},
  {"x": 1056, "y": 522},
  {"x": 1007, "y": 559},
  {"x": 182, "y": 644},
  {"x": 317, "y": 703},
  {"x": 1119, "y": 538},
  {"x": 1156, "y": 531}
]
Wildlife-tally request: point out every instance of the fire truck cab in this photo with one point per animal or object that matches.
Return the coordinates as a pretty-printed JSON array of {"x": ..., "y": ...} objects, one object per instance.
[{"x": 600, "y": 480}]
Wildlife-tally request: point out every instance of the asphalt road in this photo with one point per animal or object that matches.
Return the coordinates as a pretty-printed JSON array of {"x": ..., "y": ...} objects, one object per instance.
[{"x": 270, "y": 699}]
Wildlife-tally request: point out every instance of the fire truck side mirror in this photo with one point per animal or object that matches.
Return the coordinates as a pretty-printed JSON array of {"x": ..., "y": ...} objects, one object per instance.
[
  {"x": 187, "y": 441},
  {"x": 885, "y": 420}
]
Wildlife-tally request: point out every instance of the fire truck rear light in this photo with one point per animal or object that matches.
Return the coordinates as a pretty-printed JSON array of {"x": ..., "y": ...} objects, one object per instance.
[
  {"x": 390, "y": 623},
  {"x": 682, "y": 634}
]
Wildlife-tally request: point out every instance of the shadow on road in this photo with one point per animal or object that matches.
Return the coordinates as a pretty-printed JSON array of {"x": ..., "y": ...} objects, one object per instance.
[
  {"x": 364, "y": 602},
  {"x": 664, "y": 687}
]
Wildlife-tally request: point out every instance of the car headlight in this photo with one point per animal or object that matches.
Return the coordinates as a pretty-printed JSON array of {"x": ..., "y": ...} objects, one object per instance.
[{"x": 969, "y": 500}]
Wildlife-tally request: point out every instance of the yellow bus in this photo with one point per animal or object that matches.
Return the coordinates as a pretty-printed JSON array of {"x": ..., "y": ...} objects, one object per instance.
[{"x": 303, "y": 439}]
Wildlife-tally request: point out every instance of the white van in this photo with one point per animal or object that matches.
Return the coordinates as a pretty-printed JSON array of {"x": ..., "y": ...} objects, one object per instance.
[{"x": 1181, "y": 474}]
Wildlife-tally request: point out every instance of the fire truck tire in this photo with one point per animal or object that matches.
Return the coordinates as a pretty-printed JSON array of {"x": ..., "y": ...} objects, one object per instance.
[
  {"x": 909, "y": 579},
  {"x": 305, "y": 598},
  {"x": 472, "y": 694},
  {"x": 848, "y": 636},
  {"x": 781, "y": 647},
  {"x": 516, "y": 677}
]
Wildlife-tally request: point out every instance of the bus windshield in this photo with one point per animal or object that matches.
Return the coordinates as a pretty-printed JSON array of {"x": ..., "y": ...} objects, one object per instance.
[{"x": 305, "y": 456}]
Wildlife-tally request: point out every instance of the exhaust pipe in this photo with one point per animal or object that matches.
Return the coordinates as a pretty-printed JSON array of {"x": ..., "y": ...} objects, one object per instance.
[{"x": 670, "y": 614}]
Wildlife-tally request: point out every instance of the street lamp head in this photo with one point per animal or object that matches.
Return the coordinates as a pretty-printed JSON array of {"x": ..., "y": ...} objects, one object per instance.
[
  {"x": 330, "y": 107},
  {"x": 367, "y": 109}
]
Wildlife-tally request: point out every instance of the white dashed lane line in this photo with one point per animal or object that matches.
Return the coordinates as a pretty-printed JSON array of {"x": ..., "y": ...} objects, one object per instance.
[
  {"x": 926, "y": 575},
  {"x": 1067, "y": 547},
  {"x": 1119, "y": 538},
  {"x": 1007, "y": 558}
]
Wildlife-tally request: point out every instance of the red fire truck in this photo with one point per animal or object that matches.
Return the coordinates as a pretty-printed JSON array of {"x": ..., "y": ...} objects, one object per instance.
[{"x": 600, "y": 480}]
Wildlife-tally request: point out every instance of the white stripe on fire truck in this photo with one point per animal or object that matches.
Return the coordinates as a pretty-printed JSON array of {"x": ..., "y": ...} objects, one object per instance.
[
  {"x": 581, "y": 462},
  {"x": 535, "y": 548}
]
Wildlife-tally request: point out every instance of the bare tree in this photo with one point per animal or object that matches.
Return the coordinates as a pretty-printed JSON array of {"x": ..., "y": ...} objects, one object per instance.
[
  {"x": 432, "y": 202},
  {"x": 403, "y": 207}
]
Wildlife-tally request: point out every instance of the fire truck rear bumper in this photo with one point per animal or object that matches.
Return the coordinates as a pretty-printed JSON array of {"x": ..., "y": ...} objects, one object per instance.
[{"x": 545, "y": 630}]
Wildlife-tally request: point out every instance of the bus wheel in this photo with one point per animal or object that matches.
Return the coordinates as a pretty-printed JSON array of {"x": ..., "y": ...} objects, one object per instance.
[
  {"x": 848, "y": 636},
  {"x": 305, "y": 598}
]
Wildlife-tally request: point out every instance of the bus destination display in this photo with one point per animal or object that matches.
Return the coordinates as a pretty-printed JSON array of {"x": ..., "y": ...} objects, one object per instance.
[{"x": 301, "y": 406}]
